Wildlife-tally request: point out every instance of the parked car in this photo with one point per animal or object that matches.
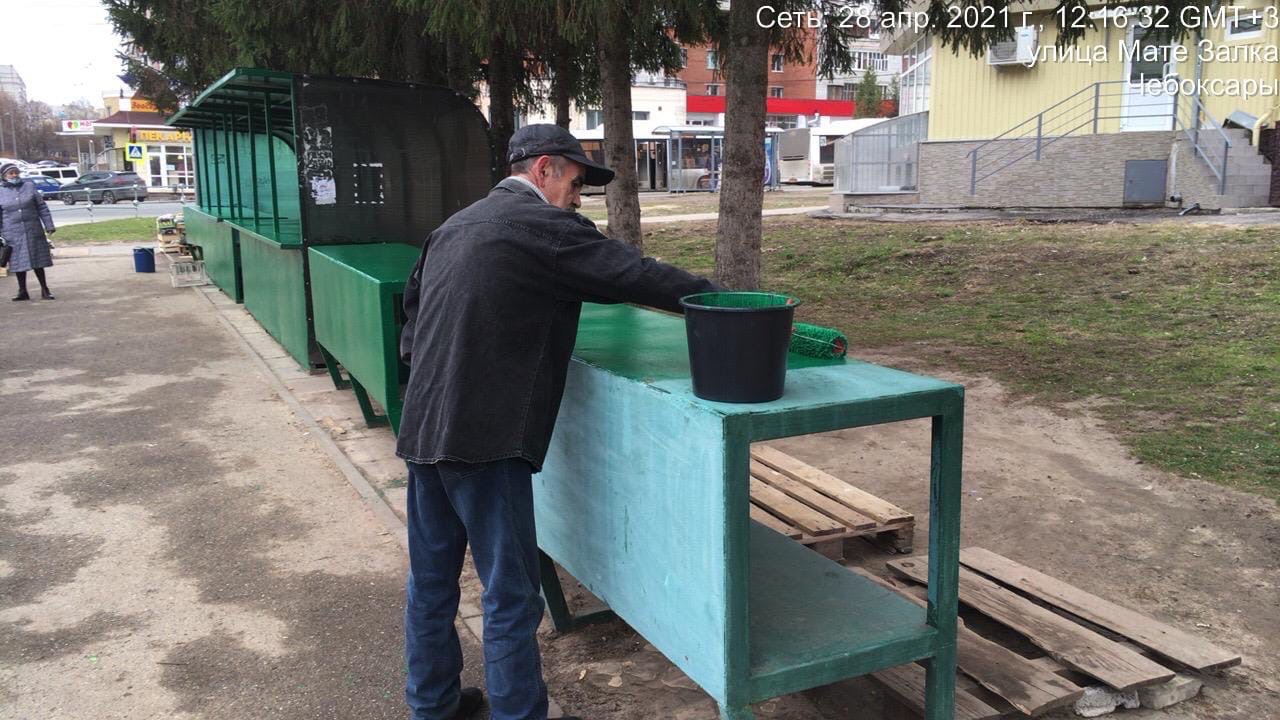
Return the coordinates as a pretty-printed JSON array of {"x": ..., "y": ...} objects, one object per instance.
[
  {"x": 105, "y": 186},
  {"x": 48, "y": 187},
  {"x": 65, "y": 174}
]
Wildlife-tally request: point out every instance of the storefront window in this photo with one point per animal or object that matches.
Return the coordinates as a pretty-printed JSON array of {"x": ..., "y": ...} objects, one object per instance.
[{"x": 170, "y": 166}]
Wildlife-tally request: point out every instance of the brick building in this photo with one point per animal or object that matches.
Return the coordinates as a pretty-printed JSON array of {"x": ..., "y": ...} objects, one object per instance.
[{"x": 792, "y": 100}]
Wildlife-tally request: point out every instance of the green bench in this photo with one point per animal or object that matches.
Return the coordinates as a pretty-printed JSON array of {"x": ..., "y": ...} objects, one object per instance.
[
  {"x": 219, "y": 249},
  {"x": 644, "y": 499},
  {"x": 275, "y": 286},
  {"x": 357, "y": 295}
]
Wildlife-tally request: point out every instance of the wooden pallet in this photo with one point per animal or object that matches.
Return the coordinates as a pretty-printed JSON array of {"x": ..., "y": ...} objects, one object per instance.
[
  {"x": 820, "y": 510},
  {"x": 1082, "y": 640}
]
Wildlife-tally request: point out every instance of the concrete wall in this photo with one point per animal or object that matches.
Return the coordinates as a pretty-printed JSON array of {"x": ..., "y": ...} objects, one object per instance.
[
  {"x": 839, "y": 202},
  {"x": 1085, "y": 171}
]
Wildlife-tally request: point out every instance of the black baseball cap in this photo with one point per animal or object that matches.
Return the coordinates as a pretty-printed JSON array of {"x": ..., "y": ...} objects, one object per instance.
[{"x": 545, "y": 139}]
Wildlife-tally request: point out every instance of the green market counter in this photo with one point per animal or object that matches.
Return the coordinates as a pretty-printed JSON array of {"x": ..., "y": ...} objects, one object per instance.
[{"x": 644, "y": 499}]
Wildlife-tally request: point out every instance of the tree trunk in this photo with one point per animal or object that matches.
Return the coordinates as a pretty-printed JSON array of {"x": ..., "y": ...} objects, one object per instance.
[
  {"x": 411, "y": 50},
  {"x": 619, "y": 140},
  {"x": 565, "y": 77},
  {"x": 458, "y": 66},
  {"x": 502, "y": 110},
  {"x": 742, "y": 189}
]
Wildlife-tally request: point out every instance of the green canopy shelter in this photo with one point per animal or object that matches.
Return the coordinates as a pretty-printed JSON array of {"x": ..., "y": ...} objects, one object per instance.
[{"x": 290, "y": 162}]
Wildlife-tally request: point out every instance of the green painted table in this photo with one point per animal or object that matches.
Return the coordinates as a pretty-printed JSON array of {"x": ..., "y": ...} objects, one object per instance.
[
  {"x": 644, "y": 499},
  {"x": 275, "y": 281},
  {"x": 356, "y": 293}
]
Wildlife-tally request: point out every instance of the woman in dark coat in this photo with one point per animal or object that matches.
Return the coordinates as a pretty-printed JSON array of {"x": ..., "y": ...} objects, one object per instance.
[{"x": 24, "y": 220}]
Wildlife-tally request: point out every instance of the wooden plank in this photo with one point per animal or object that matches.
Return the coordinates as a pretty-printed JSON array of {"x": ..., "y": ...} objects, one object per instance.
[
  {"x": 814, "y": 499},
  {"x": 1147, "y": 632},
  {"x": 1074, "y": 645},
  {"x": 794, "y": 513},
  {"x": 907, "y": 683},
  {"x": 863, "y": 502},
  {"x": 759, "y": 515},
  {"x": 1026, "y": 686}
]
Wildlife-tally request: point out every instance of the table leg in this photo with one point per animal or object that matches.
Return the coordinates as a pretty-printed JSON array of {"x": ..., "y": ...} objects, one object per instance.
[
  {"x": 944, "y": 558},
  {"x": 331, "y": 364},
  {"x": 736, "y": 713},
  {"x": 393, "y": 412},
  {"x": 561, "y": 617},
  {"x": 371, "y": 418}
]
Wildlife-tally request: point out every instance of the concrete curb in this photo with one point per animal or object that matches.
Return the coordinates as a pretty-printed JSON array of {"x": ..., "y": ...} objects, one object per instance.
[
  {"x": 696, "y": 217},
  {"x": 98, "y": 250}
]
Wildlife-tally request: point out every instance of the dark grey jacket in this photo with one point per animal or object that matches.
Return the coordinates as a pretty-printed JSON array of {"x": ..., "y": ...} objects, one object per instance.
[
  {"x": 491, "y": 316},
  {"x": 24, "y": 220}
]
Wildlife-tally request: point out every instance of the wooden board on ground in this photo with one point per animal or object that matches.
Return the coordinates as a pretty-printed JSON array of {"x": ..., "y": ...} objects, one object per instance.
[
  {"x": 840, "y": 502},
  {"x": 1147, "y": 632},
  {"x": 773, "y": 523},
  {"x": 848, "y": 517},
  {"x": 1024, "y": 685},
  {"x": 863, "y": 502},
  {"x": 1074, "y": 645},
  {"x": 793, "y": 512},
  {"x": 906, "y": 682}
]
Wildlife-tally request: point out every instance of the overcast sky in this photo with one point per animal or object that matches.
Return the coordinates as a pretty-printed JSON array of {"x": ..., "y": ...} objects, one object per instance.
[{"x": 65, "y": 50}]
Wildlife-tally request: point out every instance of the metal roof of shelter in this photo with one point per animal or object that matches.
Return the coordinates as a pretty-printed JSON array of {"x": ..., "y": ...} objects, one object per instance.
[{"x": 244, "y": 95}]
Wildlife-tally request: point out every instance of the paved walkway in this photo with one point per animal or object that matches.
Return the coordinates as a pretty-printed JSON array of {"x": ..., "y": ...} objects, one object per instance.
[
  {"x": 173, "y": 541},
  {"x": 695, "y": 217}
]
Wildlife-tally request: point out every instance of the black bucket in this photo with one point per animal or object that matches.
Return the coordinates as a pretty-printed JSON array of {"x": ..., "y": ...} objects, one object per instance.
[{"x": 738, "y": 344}]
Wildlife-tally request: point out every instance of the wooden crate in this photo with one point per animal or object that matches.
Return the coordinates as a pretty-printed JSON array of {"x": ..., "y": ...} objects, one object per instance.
[
  {"x": 171, "y": 234},
  {"x": 821, "y": 510},
  {"x": 1054, "y": 639}
]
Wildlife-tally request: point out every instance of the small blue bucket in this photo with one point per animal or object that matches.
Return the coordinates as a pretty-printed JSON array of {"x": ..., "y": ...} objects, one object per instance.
[{"x": 144, "y": 260}]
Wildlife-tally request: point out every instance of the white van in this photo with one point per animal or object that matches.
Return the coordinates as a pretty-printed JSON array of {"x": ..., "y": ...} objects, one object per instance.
[{"x": 65, "y": 174}]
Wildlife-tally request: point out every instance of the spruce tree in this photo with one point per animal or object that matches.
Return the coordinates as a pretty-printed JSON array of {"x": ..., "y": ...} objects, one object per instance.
[{"x": 867, "y": 96}]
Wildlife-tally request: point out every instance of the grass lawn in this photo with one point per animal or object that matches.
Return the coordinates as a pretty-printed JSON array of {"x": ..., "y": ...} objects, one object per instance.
[
  {"x": 656, "y": 204},
  {"x": 1171, "y": 331},
  {"x": 130, "y": 230}
]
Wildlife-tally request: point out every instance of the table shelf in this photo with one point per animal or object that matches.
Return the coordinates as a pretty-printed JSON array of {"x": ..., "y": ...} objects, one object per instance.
[{"x": 813, "y": 622}]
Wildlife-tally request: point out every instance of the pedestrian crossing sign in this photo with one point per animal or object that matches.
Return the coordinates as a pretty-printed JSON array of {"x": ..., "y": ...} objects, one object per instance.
[{"x": 136, "y": 151}]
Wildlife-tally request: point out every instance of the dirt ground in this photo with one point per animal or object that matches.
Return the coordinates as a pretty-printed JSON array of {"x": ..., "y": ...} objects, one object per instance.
[
  {"x": 173, "y": 545},
  {"x": 1051, "y": 490}
]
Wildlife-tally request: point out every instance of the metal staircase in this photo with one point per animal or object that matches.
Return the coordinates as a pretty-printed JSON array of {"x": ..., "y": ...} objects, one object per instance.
[{"x": 1242, "y": 171}]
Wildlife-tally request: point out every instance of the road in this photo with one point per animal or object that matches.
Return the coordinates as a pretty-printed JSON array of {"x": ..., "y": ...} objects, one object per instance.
[{"x": 84, "y": 212}]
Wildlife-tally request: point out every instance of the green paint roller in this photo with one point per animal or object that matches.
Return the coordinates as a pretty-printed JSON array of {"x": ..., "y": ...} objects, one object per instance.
[{"x": 817, "y": 341}]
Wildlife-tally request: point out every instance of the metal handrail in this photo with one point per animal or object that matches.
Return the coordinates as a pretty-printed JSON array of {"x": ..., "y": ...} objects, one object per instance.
[
  {"x": 1051, "y": 134},
  {"x": 1044, "y": 132},
  {"x": 1192, "y": 130},
  {"x": 1094, "y": 87},
  {"x": 1047, "y": 132}
]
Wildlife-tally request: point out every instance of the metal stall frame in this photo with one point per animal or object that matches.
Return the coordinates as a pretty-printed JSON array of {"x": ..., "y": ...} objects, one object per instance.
[
  {"x": 310, "y": 248},
  {"x": 265, "y": 248}
]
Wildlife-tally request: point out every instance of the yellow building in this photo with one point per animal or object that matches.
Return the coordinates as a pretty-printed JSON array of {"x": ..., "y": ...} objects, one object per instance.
[
  {"x": 1234, "y": 55},
  {"x": 166, "y": 163},
  {"x": 1124, "y": 117}
]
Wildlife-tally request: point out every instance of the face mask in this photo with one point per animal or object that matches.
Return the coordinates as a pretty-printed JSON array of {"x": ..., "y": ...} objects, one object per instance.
[{"x": 14, "y": 181}]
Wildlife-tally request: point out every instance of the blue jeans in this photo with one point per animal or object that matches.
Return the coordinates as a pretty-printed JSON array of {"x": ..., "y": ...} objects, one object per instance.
[{"x": 491, "y": 505}]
